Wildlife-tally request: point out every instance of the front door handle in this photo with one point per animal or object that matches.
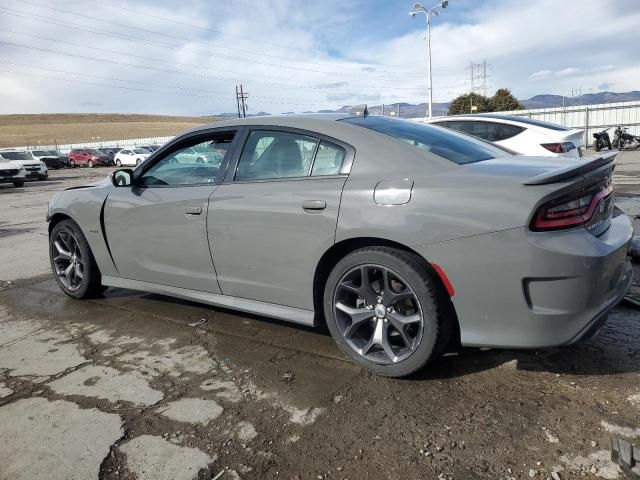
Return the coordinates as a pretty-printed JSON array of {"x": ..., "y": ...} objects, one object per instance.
[
  {"x": 314, "y": 205},
  {"x": 193, "y": 210}
]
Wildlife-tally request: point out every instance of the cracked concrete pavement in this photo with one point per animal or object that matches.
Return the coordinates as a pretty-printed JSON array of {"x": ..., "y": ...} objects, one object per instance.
[{"x": 122, "y": 387}]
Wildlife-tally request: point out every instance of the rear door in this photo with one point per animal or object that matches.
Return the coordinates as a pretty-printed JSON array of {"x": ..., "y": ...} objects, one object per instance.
[
  {"x": 276, "y": 214},
  {"x": 157, "y": 229}
]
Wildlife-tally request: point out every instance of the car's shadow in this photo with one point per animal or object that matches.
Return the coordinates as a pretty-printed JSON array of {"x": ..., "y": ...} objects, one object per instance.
[{"x": 615, "y": 350}]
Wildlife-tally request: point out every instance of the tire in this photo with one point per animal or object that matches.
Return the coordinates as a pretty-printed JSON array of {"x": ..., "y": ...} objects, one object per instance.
[
  {"x": 72, "y": 164},
  {"x": 18, "y": 183},
  {"x": 199, "y": 160},
  {"x": 137, "y": 162},
  {"x": 597, "y": 147},
  {"x": 90, "y": 164},
  {"x": 118, "y": 163},
  {"x": 43, "y": 178},
  {"x": 423, "y": 299},
  {"x": 90, "y": 284}
]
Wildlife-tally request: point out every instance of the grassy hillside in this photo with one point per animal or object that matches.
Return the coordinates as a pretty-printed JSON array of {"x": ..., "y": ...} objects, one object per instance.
[{"x": 19, "y": 130}]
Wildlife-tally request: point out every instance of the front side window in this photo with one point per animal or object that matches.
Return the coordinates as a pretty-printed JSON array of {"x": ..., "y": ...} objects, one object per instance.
[
  {"x": 195, "y": 163},
  {"x": 271, "y": 155},
  {"x": 456, "y": 148}
]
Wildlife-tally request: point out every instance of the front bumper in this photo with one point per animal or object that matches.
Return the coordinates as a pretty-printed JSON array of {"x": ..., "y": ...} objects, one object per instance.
[{"x": 522, "y": 289}]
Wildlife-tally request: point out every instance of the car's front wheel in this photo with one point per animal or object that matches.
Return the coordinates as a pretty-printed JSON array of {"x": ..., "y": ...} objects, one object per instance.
[
  {"x": 72, "y": 261},
  {"x": 72, "y": 163},
  {"x": 382, "y": 308},
  {"x": 118, "y": 163},
  {"x": 18, "y": 183}
]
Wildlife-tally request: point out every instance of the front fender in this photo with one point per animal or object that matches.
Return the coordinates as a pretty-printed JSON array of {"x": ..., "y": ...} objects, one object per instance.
[{"x": 85, "y": 206}]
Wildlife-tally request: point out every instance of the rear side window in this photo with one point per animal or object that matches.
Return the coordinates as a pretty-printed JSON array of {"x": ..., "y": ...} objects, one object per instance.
[
  {"x": 271, "y": 154},
  {"x": 328, "y": 160},
  {"x": 489, "y": 131},
  {"x": 448, "y": 145}
]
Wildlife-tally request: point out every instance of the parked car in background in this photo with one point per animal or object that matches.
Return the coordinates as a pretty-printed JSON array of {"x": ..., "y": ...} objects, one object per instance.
[
  {"x": 89, "y": 157},
  {"x": 520, "y": 134},
  {"x": 11, "y": 173},
  {"x": 131, "y": 156},
  {"x": 34, "y": 168},
  {"x": 50, "y": 159},
  {"x": 64, "y": 159},
  {"x": 151, "y": 148},
  {"x": 110, "y": 151},
  {"x": 398, "y": 236}
]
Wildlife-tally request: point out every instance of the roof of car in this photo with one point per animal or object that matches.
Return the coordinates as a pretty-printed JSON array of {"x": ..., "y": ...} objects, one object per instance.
[
  {"x": 505, "y": 118},
  {"x": 295, "y": 120}
]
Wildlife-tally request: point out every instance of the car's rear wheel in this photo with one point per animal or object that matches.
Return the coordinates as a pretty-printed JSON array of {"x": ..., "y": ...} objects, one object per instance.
[
  {"x": 382, "y": 309},
  {"x": 72, "y": 261},
  {"x": 90, "y": 164},
  {"x": 138, "y": 161},
  {"x": 118, "y": 163}
]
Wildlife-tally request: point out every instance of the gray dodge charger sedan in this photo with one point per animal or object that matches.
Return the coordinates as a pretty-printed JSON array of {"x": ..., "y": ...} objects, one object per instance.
[{"x": 400, "y": 237}]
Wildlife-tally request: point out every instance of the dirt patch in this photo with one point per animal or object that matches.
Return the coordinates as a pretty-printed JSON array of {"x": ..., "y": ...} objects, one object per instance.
[{"x": 47, "y": 129}]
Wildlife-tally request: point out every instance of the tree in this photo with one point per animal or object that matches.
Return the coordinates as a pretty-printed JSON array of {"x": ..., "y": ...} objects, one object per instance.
[
  {"x": 503, "y": 101},
  {"x": 464, "y": 103}
]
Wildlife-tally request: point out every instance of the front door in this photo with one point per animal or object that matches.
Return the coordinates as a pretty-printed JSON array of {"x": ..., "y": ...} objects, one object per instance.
[
  {"x": 157, "y": 229},
  {"x": 272, "y": 220}
]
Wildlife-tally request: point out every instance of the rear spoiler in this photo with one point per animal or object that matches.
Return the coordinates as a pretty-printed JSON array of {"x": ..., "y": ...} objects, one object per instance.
[{"x": 555, "y": 176}]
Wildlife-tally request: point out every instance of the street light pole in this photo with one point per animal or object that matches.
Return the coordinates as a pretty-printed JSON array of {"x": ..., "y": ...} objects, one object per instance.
[{"x": 432, "y": 12}]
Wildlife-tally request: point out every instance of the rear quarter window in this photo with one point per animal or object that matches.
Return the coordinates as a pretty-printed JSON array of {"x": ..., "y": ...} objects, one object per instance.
[{"x": 451, "y": 146}]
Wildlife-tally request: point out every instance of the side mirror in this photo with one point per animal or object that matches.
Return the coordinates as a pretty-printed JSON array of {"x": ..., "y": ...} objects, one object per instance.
[{"x": 122, "y": 178}]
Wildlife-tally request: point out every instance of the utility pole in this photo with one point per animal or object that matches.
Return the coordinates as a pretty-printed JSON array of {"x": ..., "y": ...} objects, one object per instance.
[
  {"x": 238, "y": 102},
  {"x": 241, "y": 98}
]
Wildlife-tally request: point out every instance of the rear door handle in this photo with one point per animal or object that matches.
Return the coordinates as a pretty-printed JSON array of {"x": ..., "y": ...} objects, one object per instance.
[
  {"x": 314, "y": 205},
  {"x": 193, "y": 210}
]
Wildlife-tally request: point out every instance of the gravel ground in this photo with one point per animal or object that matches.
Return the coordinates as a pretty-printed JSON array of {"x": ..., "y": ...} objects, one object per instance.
[{"x": 143, "y": 386}]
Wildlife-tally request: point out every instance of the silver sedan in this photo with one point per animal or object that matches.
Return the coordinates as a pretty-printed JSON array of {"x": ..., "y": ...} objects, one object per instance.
[{"x": 402, "y": 238}]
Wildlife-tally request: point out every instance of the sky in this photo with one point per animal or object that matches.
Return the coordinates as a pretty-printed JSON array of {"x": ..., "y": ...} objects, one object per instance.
[{"x": 185, "y": 58}]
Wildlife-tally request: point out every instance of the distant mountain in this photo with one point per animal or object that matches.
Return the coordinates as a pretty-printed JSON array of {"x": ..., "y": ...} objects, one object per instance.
[
  {"x": 409, "y": 110},
  {"x": 550, "y": 101}
]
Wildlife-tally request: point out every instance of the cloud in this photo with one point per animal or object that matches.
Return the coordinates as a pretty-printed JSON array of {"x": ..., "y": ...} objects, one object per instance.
[
  {"x": 289, "y": 58},
  {"x": 332, "y": 85},
  {"x": 564, "y": 72}
]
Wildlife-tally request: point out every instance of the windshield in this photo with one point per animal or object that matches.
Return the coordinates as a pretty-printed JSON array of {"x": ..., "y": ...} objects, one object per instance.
[
  {"x": 454, "y": 147},
  {"x": 92, "y": 151},
  {"x": 40, "y": 153},
  {"x": 17, "y": 155},
  {"x": 140, "y": 150}
]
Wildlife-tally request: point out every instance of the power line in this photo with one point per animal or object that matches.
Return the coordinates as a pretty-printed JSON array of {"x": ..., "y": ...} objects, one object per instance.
[
  {"x": 145, "y": 90},
  {"x": 148, "y": 67},
  {"x": 204, "y": 42},
  {"x": 145, "y": 57}
]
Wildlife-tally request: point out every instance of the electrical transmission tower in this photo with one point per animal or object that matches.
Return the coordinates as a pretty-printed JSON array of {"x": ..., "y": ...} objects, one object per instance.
[
  {"x": 241, "y": 101},
  {"x": 478, "y": 77}
]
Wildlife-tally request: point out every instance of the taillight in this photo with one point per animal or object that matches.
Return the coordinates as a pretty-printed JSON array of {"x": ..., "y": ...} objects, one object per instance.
[
  {"x": 563, "y": 147},
  {"x": 569, "y": 211}
]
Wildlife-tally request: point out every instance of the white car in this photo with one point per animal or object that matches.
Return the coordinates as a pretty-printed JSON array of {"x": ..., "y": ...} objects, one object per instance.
[
  {"x": 520, "y": 134},
  {"x": 34, "y": 169},
  {"x": 11, "y": 173},
  {"x": 131, "y": 156}
]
